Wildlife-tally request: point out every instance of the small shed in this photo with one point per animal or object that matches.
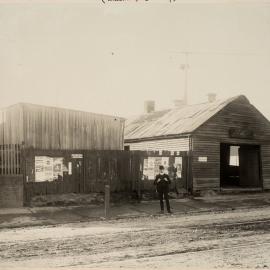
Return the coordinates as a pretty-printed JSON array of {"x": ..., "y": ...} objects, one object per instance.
[
  {"x": 228, "y": 142},
  {"x": 43, "y": 144}
]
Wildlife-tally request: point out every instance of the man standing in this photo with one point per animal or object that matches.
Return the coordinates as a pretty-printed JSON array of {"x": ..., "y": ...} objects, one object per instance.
[{"x": 162, "y": 182}]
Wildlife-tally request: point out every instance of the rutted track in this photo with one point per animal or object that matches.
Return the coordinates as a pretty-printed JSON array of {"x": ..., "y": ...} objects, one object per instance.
[{"x": 239, "y": 239}]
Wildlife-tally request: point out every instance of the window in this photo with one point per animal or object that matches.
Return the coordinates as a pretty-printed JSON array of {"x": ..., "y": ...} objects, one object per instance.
[{"x": 234, "y": 156}]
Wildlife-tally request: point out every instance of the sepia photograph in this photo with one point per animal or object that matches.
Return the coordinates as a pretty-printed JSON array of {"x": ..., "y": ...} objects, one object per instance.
[{"x": 135, "y": 134}]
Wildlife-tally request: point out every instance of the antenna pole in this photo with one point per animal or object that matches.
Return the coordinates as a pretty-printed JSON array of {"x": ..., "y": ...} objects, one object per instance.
[
  {"x": 186, "y": 79},
  {"x": 185, "y": 68}
]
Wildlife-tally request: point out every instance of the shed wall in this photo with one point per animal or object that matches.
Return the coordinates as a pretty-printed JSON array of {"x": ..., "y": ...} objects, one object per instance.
[
  {"x": 265, "y": 156},
  {"x": 180, "y": 144},
  {"x": 54, "y": 128},
  {"x": 206, "y": 175},
  {"x": 207, "y": 139}
]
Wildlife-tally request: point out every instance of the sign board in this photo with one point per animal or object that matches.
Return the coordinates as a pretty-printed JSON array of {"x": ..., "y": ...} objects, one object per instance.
[
  {"x": 76, "y": 155},
  {"x": 202, "y": 159},
  {"x": 69, "y": 168},
  {"x": 241, "y": 133}
]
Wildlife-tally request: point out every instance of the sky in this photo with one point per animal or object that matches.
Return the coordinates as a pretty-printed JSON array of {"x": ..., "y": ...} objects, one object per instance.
[{"x": 110, "y": 56}]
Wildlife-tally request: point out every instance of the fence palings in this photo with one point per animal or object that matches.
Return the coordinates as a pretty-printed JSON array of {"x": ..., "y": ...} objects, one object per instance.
[
  {"x": 10, "y": 159},
  {"x": 91, "y": 171}
]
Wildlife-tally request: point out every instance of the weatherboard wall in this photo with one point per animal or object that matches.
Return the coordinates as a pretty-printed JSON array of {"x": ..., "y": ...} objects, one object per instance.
[
  {"x": 179, "y": 144},
  {"x": 239, "y": 114},
  {"x": 265, "y": 157}
]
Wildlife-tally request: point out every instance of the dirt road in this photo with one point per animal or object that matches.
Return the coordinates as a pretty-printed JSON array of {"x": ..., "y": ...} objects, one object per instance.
[{"x": 238, "y": 239}]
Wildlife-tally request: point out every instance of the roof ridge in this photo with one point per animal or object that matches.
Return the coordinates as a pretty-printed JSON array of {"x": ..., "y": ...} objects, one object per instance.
[
  {"x": 176, "y": 121},
  {"x": 61, "y": 108}
]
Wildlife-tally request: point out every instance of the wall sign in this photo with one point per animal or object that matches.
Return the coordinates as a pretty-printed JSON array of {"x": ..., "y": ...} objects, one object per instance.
[
  {"x": 202, "y": 159},
  {"x": 69, "y": 168},
  {"x": 76, "y": 155},
  {"x": 241, "y": 133}
]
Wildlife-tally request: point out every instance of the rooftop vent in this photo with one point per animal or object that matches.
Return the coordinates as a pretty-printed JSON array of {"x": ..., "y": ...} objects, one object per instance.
[
  {"x": 212, "y": 97},
  {"x": 149, "y": 106}
]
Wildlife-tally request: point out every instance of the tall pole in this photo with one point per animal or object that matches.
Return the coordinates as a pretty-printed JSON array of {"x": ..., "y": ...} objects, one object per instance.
[
  {"x": 186, "y": 79},
  {"x": 185, "y": 68}
]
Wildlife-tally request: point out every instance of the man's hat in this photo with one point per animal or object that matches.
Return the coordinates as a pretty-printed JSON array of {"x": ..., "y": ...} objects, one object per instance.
[{"x": 161, "y": 167}]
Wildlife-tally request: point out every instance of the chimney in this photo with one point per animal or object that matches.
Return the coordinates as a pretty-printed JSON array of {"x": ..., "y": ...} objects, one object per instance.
[
  {"x": 179, "y": 103},
  {"x": 211, "y": 97},
  {"x": 149, "y": 106}
]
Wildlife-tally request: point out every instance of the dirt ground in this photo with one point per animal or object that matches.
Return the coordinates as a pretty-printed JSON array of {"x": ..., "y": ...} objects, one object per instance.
[{"x": 232, "y": 239}]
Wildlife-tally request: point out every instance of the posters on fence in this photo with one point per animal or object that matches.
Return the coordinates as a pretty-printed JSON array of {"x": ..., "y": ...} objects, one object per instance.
[
  {"x": 43, "y": 168},
  {"x": 57, "y": 168},
  {"x": 48, "y": 168},
  {"x": 178, "y": 166},
  {"x": 151, "y": 166}
]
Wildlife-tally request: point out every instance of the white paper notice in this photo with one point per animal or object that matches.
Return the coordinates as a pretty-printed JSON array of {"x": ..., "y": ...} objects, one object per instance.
[
  {"x": 178, "y": 166},
  {"x": 43, "y": 168}
]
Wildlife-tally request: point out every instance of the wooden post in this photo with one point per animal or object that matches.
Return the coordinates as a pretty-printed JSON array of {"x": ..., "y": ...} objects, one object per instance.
[
  {"x": 107, "y": 201},
  {"x": 140, "y": 165}
]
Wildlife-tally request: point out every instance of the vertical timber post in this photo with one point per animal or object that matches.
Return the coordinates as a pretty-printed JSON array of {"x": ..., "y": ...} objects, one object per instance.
[{"x": 107, "y": 201}]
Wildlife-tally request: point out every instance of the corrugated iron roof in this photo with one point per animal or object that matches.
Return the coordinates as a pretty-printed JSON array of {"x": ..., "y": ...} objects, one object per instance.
[
  {"x": 177, "y": 121},
  {"x": 40, "y": 107}
]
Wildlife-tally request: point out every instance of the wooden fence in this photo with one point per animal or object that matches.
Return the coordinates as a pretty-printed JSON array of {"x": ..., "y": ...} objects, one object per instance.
[
  {"x": 10, "y": 159},
  {"x": 85, "y": 172},
  {"x": 89, "y": 171}
]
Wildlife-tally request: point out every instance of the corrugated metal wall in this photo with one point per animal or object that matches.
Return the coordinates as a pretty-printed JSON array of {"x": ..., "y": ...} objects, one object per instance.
[{"x": 180, "y": 144}]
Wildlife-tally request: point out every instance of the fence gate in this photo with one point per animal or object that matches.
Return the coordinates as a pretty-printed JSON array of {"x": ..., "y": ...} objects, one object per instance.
[
  {"x": 11, "y": 180},
  {"x": 10, "y": 159}
]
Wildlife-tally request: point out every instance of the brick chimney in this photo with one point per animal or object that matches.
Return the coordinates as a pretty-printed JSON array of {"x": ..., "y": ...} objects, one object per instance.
[
  {"x": 149, "y": 106},
  {"x": 211, "y": 97}
]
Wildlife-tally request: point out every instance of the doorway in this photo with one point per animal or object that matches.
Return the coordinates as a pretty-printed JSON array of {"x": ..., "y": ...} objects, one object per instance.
[{"x": 240, "y": 166}]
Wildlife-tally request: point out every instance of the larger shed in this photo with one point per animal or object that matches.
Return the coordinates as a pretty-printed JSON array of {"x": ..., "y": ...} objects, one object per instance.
[
  {"x": 228, "y": 142},
  {"x": 47, "y": 150},
  {"x": 54, "y": 128}
]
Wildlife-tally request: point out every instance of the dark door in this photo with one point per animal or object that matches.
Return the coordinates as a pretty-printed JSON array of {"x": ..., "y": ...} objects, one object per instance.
[
  {"x": 224, "y": 163},
  {"x": 249, "y": 166}
]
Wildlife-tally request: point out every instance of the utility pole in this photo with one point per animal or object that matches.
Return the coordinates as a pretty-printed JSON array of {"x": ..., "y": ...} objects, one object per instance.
[{"x": 185, "y": 66}]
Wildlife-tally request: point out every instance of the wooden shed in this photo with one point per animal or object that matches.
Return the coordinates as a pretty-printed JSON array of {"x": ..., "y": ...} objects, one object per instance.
[
  {"x": 42, "y": 150},
  {"x": 45, "y": 127},
  {"x": 228, "y": 142},
  {"x": 53, "y": 129}
]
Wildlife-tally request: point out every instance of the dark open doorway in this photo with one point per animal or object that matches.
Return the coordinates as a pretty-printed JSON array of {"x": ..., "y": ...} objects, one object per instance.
[{"x": 240, "y": 166}]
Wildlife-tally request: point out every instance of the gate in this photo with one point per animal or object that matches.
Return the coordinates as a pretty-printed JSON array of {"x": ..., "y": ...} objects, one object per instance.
[
  {"x": 11, "y": 180},
  {"x": 10, "y": 159}
]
